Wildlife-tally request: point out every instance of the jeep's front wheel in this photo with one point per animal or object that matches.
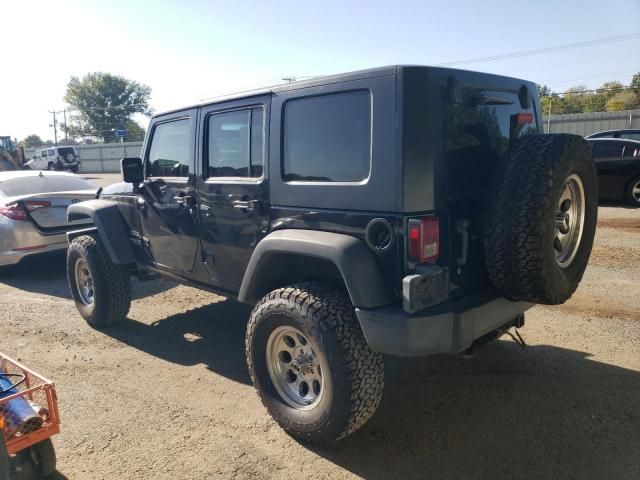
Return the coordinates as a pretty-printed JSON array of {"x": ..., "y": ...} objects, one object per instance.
[
  {"x": 310, "y": 363},
  {"x": 101, "y": 289}
]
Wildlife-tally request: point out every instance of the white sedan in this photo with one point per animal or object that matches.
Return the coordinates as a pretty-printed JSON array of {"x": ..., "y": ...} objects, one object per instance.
[{"x": 33, "y": 211}]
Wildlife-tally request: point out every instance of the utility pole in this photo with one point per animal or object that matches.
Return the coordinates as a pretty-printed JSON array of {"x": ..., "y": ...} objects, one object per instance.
[
  {"x": 549, "y": 114},
  {"x": 55, "y": 128},
  {"x": 66, "y": 135}
]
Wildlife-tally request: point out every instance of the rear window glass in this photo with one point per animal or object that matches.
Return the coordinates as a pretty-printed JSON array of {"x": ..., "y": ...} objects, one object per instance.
[
  {"x": 328, "y": 138},
  {"x": 630, "y": 135},
  {"x": 43, "y": 184},
  {"x": 64, "y": 151},
  {"x": 477, "y": 133}
]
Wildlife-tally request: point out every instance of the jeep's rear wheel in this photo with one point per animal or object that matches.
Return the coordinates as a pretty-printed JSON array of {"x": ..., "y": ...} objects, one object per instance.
[
  {"x": 542, "y": 220},
  {"x": 310, "y": 363},
  {"x": 101, "y": 289}
]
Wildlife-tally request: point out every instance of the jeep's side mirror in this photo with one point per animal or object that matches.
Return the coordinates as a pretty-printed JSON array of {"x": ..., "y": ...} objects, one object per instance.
[{"x": 131, "y": 168}]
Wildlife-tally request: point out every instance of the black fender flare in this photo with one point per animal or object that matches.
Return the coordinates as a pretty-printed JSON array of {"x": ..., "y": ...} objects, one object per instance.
[
  {"x": 354, "y": 261},
  {"x": 110, "y": 225}
]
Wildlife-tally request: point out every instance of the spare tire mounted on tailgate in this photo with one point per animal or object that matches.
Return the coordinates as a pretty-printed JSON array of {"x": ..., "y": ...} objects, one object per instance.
[{"x": 542, "y": 219}]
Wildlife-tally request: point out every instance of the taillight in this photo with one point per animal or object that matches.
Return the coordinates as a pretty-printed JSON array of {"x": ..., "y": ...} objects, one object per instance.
[
  {"x": 14, "y": 212},
  {"x": 424, "y": 239},
  {"x": 19, "y": 211},
  {"x": 524, "y": 118}
]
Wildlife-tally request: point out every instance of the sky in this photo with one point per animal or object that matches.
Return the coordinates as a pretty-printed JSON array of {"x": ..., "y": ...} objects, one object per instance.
[{"x": 190, "y": 50}]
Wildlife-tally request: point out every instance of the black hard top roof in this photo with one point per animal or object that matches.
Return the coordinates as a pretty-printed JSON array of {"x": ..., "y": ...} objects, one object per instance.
[{"x": 318, "y": 81}]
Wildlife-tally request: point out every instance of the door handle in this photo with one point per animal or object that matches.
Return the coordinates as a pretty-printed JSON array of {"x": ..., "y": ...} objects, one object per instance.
[
  {"x": 184, "y": 200},
  {"x": 248, "y": 205},
  {"x": 205, "y": 210}
]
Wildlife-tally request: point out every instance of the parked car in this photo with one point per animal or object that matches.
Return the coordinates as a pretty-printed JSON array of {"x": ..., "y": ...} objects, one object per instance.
[
  {"x": 33, "y": 207},
  {"x": 625, "y": 134},
  {"x": 402, "y": 210},
  {"x": 55, "y": 158},
  {"x": 618, "y": 165}
]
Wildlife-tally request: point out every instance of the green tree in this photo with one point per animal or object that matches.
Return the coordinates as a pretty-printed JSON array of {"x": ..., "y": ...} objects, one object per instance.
[
  {"x": 103, "y": 102},
  {"x": 135, "y": 133},
  {"x": 611, "y": 88},
  {"x": 543, "y": 90},
  {"x": 31, "y": 141},
  {"x": 635, "y": 84},
  {"x": 623, "y": 100}
]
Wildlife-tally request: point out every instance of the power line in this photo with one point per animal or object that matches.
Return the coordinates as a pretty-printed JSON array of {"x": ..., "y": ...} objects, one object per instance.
[{"x": 538, "y": 51}]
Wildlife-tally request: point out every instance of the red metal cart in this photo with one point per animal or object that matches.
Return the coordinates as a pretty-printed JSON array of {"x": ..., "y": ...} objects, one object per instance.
[{"x": 28, "y": 413}]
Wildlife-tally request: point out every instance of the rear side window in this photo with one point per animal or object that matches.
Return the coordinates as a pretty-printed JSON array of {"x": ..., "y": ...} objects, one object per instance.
[
  {"x": 632, "y": 150},
  {"x": 236, "y": 143},
  {"x": 630, "y": 135},
  {"x": 170, "y": 150},
  {"x": 607, "y": 150},
  {"x": 327, "y": 138}
]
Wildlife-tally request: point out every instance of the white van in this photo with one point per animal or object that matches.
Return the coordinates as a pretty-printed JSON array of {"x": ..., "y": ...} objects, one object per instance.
[{"x": 55, "y": 158}]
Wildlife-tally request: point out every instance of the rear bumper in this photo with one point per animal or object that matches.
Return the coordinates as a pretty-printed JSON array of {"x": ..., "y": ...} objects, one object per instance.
[
  {"x": 20, "y": 239},
  {"x": 13, "y": 257},
  {"x": 449, "y": 328}
]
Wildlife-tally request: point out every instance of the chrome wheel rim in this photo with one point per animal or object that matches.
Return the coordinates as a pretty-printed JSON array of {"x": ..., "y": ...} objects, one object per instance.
[
  {"x": 84, "y": 282},
  {"x": 569, "y": 222},
  {"x": 635, "y": 191},
  {"x": 295, "y": 368}
]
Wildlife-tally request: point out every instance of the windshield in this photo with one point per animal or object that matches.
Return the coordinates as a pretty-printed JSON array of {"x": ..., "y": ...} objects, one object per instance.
[
  {"x": 43, "y": 184},
  {"x": 5, "y": 143}
]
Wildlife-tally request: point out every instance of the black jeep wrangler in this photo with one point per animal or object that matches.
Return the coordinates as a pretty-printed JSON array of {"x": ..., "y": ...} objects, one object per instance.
[{"x": 404, "y": 210}]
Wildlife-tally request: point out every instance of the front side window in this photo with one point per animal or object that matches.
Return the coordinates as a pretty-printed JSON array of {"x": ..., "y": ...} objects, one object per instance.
[
  {"x": 170, "y": 150},
  {"x": 235, "y": 143},
  {"x": 51, "y": 152},
  {"x": 327, "y": 138}
]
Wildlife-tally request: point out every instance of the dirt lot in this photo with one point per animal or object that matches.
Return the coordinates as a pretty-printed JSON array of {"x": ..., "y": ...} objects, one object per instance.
[{"x": 167, "y": 394}]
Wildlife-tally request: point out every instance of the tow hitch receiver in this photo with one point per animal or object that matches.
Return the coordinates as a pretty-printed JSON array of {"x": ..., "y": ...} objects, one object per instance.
[{"x": 487, "y": 338}]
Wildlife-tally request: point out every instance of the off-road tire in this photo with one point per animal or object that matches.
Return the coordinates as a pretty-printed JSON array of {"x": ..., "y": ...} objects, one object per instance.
[
  {"x": 51, "y": 166},
  {"x": 326, "y": 315},
  {"x": 628, "y": 192},
  {"x": 44, "y": 457},
  {"x": 111, "y": 282},
  {"x": 520, "y": 225}
]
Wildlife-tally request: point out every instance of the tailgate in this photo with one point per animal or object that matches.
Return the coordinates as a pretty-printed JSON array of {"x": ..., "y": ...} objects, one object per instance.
[{"x": 48, "y": 211}]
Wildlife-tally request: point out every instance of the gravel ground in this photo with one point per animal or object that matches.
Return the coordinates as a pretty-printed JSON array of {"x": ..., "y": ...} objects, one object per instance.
[{"x": 167, "y": 395}]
